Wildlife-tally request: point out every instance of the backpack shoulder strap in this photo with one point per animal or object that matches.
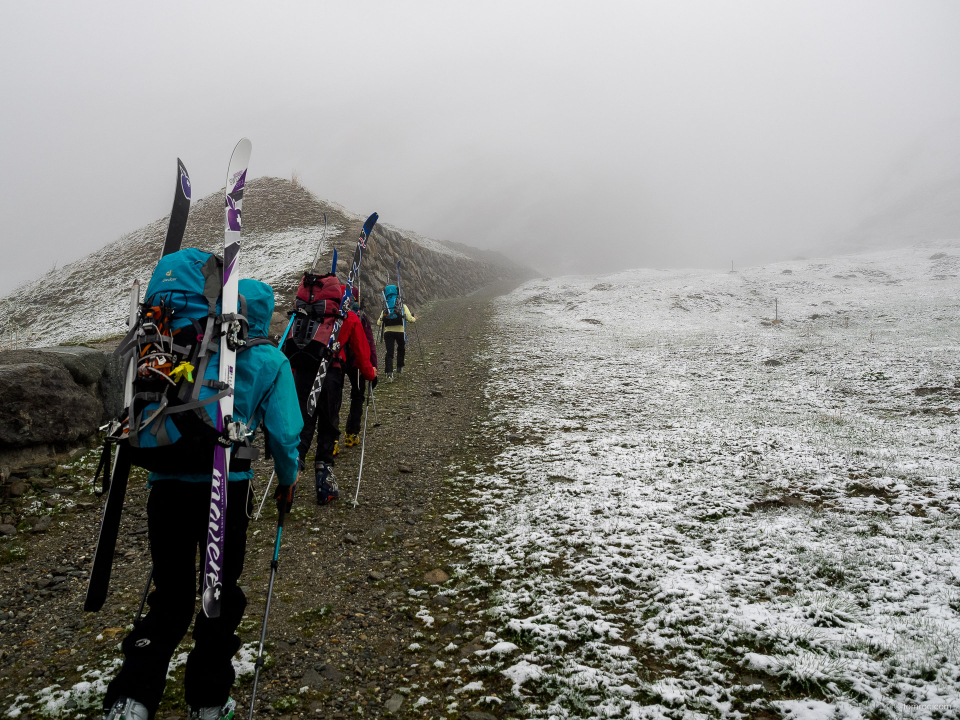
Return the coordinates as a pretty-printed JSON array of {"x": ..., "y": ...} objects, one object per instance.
[{"x": 252, "y": 342}]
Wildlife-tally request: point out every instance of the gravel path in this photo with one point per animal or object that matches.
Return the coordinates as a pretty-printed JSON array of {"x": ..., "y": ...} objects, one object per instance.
[{"x": 366, "y": 619}]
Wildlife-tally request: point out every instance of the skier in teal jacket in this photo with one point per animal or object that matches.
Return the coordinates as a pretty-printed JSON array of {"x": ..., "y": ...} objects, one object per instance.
[{"x": 177, "y": 516}]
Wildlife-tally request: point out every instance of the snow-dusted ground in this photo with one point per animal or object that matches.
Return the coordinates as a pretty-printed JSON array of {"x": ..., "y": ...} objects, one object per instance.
[
  {"x": 707, "y": 515},
  {"x": 55, "y": 701}
]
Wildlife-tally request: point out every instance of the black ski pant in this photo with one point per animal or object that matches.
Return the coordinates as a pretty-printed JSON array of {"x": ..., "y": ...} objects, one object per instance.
[
  {"x": 397, "y": 338},
  {"x": 326, "y": 420},
  {"x": 177, "y": 515},
  {"x": 358, "y": 387}
]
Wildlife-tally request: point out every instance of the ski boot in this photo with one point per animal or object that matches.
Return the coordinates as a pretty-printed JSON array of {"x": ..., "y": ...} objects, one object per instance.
[
  {"x": 214, "y": 713},
  {"x": 127, "y": 709},
  {"x": 389, "y": 377},
  {"x": 327, "y": 490},
  {"x": 351, "y": 439}
]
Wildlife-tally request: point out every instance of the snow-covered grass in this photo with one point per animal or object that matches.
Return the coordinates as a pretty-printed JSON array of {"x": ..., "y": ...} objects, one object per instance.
[
  {"x": 711, "y": 515},
  {"x": 85, "y": 696}
]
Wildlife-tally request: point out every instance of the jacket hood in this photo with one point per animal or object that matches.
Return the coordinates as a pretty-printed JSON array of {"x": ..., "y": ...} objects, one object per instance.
[{"x": 260, "y": 302}]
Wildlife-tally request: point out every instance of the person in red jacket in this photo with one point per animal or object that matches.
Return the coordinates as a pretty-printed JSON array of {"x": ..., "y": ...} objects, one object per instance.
[
  {"x": 357, "y": 386},
  {"x": 317, "y": 303}
]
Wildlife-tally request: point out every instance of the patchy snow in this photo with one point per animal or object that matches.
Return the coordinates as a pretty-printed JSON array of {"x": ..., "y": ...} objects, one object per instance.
[
  {"x": 711, "y": 514},
  {"x": 87, "y": 694}
]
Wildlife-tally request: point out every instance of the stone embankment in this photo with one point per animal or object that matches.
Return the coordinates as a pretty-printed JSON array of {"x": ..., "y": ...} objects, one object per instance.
[{"x": 52, "y": 400}]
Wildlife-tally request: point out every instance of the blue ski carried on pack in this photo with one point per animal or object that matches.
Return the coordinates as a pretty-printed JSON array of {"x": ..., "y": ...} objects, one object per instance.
[{"x": 333, "y": 344}]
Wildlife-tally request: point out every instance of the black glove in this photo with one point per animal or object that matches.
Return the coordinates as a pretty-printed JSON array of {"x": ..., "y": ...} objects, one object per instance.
[
  {"x": 284, "y": 497},
  {"x": 373, "y": 384}
]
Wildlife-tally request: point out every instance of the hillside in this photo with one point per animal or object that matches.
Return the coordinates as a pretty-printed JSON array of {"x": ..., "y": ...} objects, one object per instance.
[
  {"x": 919, "y": 199},
  {"x": 282, "y": 225}
]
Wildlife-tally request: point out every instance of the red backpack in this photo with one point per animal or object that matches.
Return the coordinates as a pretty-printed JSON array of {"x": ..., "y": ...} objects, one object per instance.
[{"x": 315, "y": 309}]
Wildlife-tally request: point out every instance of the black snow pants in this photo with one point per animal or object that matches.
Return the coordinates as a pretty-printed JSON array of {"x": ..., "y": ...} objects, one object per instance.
[
  {"x": 177, "y": 514},
  {"x": 395, "y": 337},
  {"x": 358, "y": 388},
  {"x": 326, "y": 420}
]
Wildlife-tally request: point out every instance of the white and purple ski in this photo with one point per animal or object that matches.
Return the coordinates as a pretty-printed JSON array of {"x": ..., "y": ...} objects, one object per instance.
[{"x": 231, "y": 431}]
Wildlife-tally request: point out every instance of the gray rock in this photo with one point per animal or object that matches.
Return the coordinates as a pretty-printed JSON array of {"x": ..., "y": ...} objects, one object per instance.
[
  {"x": 374, "y": 575},
  {"x": 332, "y": 674},
  {"x": 42, "y": 404},
  {"x": 110, "y": 388},
  {"x": 350, "y": 538},
  {"x": 451, "y": 628},
  {"x": 404, "y": 468},
  {"x": 18, "y": 488},
  {"x": 7, "y": 530},
  {"x": 312, "y": 678},
  {"x": 394, "y": 703},
  {"x": 42, "y": 525},
  {"x": 478, "y": 715},
  {"x": 84, "y": 364}
]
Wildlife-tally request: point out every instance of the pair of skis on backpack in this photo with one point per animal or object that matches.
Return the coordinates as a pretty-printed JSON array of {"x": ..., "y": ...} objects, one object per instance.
[{"x": 153, "y": 339}]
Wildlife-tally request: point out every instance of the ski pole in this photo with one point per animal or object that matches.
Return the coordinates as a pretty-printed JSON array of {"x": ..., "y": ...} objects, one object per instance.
[
  {"x": 376, "y": 417},
  {"x": 363, "y": 447},
  {"x": 316, "y": 257},
  {"x": 266, "y": 491},
  {"x": 143, "y": 600},
  {"x": 416, "y": 331},
  {"x": 266, "y": 613}
]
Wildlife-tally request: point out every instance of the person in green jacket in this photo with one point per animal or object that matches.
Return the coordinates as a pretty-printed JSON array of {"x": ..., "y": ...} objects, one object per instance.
[
  {"x": 393, "y": 319},
  {"x": 177, "y": 517}
]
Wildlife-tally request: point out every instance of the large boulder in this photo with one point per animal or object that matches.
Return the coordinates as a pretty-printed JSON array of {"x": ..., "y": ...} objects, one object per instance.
[
  {"x": 41, "y": 404},
  {"x": 96, "y": 372},
  {"x": 53, "y": 399}
]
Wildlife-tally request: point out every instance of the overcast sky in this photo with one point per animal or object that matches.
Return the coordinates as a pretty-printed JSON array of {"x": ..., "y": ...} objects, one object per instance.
[{"x": 591, "y": 135}]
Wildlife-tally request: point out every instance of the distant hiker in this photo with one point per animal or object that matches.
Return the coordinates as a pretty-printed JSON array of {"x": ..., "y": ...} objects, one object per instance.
[
  {"x": 317, "y": 306},
  {"x": 395, "y": 311},
  {"x": 358, "y": 386},
  {"x": 178, "y": 514}
]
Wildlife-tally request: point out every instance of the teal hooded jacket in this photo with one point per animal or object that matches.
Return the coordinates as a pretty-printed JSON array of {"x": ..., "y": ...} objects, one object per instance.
[{"x": 264, "y": 393}]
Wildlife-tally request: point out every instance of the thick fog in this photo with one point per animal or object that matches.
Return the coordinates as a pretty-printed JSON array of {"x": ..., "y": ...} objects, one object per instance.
[{"x": 575, "y": 136}]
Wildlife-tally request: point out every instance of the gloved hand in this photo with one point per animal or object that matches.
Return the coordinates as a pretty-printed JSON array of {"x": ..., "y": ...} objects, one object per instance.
[
  {"x": 373, "y": 384},
  {"x": 284, "y": 497}
]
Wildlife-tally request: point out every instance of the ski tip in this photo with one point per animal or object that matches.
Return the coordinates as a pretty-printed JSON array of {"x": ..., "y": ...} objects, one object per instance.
[
  {"x": 185, "y": 186},
  {"x": 369, "y": 224},
  {"x": 238, "y": 164}
]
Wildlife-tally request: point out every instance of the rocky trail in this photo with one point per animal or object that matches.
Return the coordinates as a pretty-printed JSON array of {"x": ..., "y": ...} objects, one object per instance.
[{"x": 369, "y": 615}]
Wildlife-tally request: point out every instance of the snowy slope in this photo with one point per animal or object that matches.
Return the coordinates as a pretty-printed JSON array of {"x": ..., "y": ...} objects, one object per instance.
[{"x": 709, "y": 515}]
